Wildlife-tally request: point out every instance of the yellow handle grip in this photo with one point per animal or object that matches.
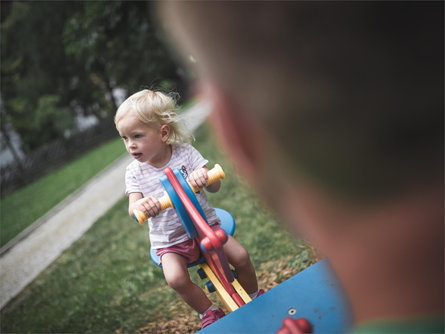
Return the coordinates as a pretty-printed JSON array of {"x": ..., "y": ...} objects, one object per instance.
[{"x": 214, "y": 175}]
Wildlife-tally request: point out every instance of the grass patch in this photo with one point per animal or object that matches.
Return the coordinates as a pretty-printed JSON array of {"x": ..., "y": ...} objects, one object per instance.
[
  {"x": 21, "y": 208},
  {"x": 106, "y": 283}
]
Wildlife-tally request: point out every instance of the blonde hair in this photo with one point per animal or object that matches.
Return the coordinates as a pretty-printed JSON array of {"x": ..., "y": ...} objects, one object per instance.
[{"x": 154, "y": 109}]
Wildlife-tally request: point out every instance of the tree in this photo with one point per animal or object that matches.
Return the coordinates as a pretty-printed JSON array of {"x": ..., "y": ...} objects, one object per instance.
[
  {"x": 34, "y": 70},
  {"x": 119, "y": 45},
  {"x": 6, "y": 137},
  {"x": 61, "y": 59}
]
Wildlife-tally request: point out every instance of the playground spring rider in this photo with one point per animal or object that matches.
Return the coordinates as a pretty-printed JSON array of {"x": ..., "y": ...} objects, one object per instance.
[{"x": 213, "y": 265}]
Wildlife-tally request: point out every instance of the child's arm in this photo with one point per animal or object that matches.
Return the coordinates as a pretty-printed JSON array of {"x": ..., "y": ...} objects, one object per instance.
[
  {"x": 150, "y": 205},
  {"x": 198, "y": 179}
]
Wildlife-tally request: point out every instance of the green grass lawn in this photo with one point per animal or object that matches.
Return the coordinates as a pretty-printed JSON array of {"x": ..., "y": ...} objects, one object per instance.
[
  {"x": 24, "y": 206},
  {"x": 106, "y": 283}
]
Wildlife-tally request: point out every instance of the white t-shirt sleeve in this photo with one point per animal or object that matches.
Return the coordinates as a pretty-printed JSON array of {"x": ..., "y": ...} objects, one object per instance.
[{"x": 131, "y": 182}]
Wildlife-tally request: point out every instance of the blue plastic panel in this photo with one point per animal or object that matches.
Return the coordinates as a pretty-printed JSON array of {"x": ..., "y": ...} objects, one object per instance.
[
  {"x": 314, "y": 294},
  {"x": 227, "y": 221},
  {"x": 180, "y": 209}
]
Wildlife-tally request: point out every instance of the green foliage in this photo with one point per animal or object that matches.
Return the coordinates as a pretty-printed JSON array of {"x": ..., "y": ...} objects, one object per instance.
[
  {"x": 49, "y": 115},
  {"x": 43, "y": 194},
  {"x": 118, "y": 39},
  {"x": 48, "y": 121},
  {"x": 80, "y": 55},
  {"x": 34, "y": 65}
]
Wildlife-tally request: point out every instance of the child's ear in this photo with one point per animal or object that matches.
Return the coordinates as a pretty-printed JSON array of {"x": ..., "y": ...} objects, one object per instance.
[
  {"x": 238, "y": 133},
  {"x": 165, "y": 132}
]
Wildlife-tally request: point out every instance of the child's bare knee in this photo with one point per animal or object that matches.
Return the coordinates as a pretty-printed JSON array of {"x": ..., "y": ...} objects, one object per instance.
[
  {"x": 241, "y": 258},
  {"x": 178, "y": 282}
]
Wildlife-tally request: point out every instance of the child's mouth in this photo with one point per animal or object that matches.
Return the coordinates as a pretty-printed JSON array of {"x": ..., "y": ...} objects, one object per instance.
[{"x": 136, "y": 155}]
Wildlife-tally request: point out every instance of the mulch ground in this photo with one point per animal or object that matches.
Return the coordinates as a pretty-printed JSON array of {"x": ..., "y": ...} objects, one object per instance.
[{"x": 183, "y": 319}]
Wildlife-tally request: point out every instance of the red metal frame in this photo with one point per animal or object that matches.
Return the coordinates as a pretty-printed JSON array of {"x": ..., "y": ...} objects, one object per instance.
[{"x": 214, "y": 256}]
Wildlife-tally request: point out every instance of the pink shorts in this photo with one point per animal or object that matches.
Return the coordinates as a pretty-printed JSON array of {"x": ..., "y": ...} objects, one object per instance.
[{"x": 190, "y": 249}]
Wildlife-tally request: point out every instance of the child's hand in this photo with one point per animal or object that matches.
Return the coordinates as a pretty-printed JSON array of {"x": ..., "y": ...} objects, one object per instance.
[
  {"x": 198, "y": 178},
  {"x": 150, "y": 206}
]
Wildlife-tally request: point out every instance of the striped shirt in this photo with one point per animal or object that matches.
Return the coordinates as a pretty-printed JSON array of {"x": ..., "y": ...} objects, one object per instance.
[{"x": 166, "y": 229}]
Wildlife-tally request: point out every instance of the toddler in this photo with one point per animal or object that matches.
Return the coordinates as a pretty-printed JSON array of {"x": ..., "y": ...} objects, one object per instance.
[{"x": 148, "y": 124}]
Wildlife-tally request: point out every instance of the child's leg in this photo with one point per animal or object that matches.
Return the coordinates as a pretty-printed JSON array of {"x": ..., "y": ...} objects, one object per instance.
[
  {"x": 178, "y": 278},
  {"x": 239, "y": 258}
]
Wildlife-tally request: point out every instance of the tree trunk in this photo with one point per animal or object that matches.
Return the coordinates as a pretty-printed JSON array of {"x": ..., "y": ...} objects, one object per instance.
[{"x": 11, "y": 148}]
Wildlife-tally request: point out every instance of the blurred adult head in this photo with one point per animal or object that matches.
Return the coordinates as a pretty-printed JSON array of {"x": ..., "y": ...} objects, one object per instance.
[{"x": 334, "y": 111}]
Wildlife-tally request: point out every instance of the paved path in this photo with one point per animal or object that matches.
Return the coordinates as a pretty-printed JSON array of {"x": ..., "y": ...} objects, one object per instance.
[{"x": 35, "y": 249}]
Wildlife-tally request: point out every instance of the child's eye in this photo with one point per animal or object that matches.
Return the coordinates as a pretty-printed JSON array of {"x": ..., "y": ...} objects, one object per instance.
[
  {"x": 138, "y": 136},
  {"x": 124, "y": 138}
]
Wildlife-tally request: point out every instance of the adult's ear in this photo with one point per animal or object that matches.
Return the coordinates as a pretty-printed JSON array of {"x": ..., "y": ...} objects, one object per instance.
[
  {"x": 238, "y": 132},
  {"x": 164, "y": 132}
]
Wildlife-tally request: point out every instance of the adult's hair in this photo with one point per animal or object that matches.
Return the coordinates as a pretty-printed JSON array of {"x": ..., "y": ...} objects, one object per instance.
[{"x": 353, "y": 91}]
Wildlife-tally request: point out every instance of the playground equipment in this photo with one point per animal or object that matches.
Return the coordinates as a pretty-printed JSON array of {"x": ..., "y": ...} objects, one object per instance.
[
  {"x": 214, "y": 174},
  {"x": 311, "y": 301},
  {"x": 214, "y": 266}
]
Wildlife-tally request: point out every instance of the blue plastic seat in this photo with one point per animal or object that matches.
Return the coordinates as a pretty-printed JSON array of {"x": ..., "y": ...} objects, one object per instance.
[{"x": 227, "y": 224}]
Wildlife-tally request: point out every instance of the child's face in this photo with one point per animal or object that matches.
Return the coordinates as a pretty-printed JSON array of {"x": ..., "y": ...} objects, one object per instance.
[{"x": 143, "y": 142}]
